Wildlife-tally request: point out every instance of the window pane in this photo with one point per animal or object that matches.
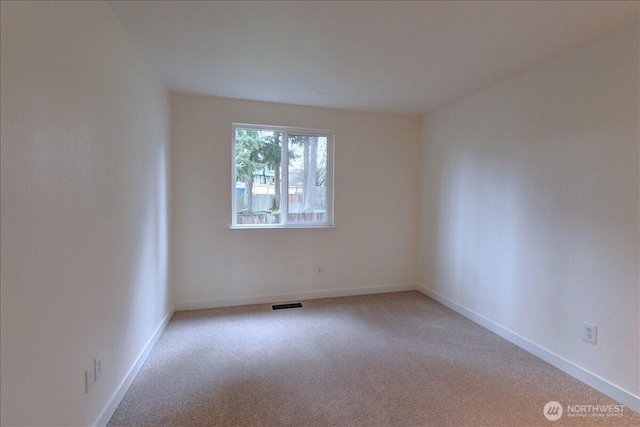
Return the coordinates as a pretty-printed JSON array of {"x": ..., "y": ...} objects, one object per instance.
[
  {"x": 258, "y": 176},
  {"x": 307, "y": 175},
  {"x": 261, "y": 197}
]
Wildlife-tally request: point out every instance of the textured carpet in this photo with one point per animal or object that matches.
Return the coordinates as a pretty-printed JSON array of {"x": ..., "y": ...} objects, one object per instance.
[{"x": 398, "y": 359}]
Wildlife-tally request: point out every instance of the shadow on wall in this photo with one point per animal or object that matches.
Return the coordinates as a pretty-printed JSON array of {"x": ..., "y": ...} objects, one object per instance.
[
  {"x": 151, "y": 279},
  {"x": 482, "y": 233}
]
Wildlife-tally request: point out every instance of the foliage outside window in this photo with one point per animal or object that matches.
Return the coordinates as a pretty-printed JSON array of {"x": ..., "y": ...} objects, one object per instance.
[{"x": 282, "y": 177}]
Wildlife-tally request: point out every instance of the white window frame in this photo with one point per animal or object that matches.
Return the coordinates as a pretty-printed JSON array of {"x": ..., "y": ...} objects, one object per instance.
[{"x": 284, "y": 167}]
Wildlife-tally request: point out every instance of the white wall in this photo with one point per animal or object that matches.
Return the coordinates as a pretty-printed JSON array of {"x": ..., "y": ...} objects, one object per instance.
[
  {"x": 84, "y": 157},
  {"x": 530, "y": 208},
  {"x": 376, "y": 207}
]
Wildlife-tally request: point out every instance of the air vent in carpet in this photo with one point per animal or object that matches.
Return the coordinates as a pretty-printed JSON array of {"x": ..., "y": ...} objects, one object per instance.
[{"x": 282, "y": 306}]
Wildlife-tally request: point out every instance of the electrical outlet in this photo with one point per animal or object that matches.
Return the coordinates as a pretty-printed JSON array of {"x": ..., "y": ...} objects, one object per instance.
[
  {"x": 319, "y": 270},
  {"x": 590, "y": 333},
  {"x": 98, "y": 366},
  {"x": 89, "y": 378}
]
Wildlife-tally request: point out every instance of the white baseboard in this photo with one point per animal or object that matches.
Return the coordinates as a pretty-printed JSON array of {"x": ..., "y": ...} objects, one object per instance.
[
  {"x": 629, "y": 400},
  {"x": 123, "y": 387},
  {"x": 273, "y": 298}
]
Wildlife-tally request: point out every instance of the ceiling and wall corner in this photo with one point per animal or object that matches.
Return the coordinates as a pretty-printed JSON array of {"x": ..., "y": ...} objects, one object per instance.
[{"x": 402, "y": 57}]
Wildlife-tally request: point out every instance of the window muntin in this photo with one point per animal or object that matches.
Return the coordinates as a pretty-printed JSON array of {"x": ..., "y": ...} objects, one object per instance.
[{"x": 282, "y": 177}]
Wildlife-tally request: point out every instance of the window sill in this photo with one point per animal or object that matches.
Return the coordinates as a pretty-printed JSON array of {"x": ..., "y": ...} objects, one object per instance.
[{"x": 282, "y": 227}]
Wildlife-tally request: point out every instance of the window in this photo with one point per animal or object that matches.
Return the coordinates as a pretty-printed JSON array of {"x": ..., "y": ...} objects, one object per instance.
[{"x": 282, "y": 177}]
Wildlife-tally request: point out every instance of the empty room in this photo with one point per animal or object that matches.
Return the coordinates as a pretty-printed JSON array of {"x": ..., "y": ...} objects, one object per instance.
[{"x": 279, "y": 213}]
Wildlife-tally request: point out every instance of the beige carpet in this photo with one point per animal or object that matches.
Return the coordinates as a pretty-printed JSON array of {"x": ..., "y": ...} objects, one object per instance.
[{"x": 398, "y": 359}]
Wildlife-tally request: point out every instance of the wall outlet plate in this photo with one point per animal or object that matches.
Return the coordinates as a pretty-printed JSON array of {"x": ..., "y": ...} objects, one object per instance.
[
  {"x": 98, "y": 366},
  {"x": 89, "y": 378},
  {"x": 590, "y": 333}
]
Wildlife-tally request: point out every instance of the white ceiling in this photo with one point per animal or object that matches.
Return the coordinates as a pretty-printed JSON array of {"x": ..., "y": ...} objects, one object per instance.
[{"x": 405, "y": 57}]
